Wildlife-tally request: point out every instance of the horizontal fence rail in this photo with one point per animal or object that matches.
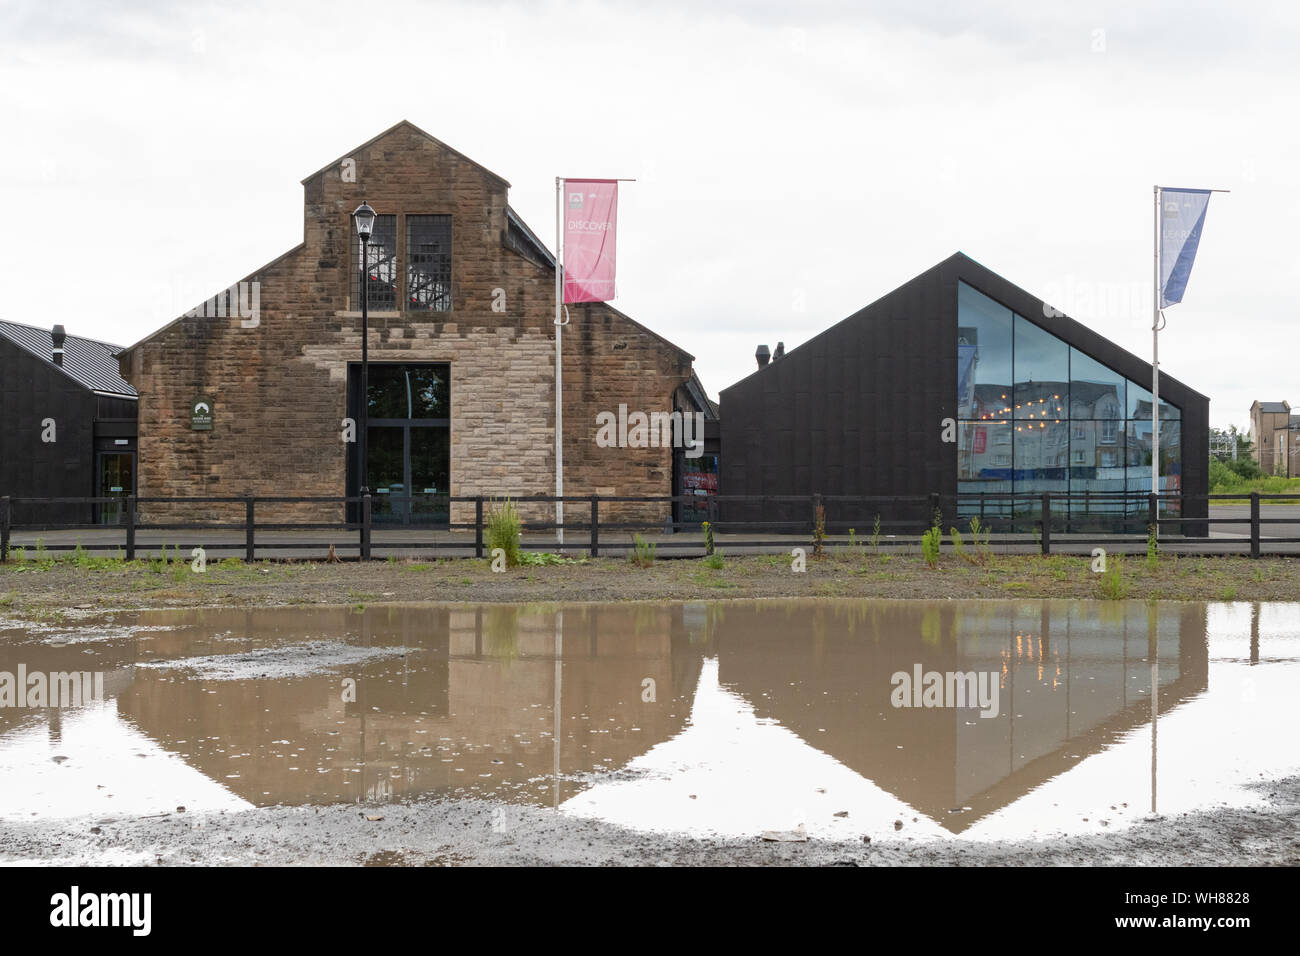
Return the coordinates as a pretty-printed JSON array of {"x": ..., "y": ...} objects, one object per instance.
[{"x": 685, "y": 525}]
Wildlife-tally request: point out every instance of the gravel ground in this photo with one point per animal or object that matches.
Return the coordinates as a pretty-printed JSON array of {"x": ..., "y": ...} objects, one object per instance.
[
  {"x": 472, "y": 833},
  {"x": 43, "y": 590}
]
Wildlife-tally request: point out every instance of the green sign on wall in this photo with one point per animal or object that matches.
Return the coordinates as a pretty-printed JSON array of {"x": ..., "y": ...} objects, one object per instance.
[{"x": 201, "y": 414}]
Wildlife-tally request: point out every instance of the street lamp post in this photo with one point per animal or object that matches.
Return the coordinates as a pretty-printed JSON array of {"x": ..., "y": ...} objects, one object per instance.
[{"x": 364, "y": 217}]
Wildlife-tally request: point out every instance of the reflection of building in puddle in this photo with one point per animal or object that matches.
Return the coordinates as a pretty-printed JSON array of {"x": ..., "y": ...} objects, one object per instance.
[
  {"x": 110, "y": 668},
  {"x": 468, "y": 708},
  {"x": 1072, "y": 678}
]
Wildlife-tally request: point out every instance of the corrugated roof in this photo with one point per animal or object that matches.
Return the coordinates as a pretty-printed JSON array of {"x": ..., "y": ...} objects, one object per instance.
[{"x": 90, "y": 363}]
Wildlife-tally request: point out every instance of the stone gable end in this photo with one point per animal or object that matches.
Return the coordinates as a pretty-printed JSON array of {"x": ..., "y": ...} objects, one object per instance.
[{"x": 279, "y": 389}]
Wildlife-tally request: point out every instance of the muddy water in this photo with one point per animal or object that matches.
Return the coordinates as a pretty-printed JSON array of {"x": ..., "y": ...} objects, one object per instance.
[{"x": 984, "y": 720}]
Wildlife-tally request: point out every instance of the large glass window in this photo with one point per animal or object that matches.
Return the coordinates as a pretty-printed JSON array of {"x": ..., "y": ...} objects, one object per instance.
[
  {"x": 1139, "y": 405},
  {"x": 1095, "y": 390},
  {"x": 409, "y": 453},
  {"x": 983, "y": 356},
  {"x": 1074, "y": 424},
  {"x": 381, "y": 258},
  {"x": 1042, "y": 369}
]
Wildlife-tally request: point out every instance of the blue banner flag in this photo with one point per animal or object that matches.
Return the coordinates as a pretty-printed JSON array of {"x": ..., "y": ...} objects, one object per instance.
[{"x": 1182, "y": 217}]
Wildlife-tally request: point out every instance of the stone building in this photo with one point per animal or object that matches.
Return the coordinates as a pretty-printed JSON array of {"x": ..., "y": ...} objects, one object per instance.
[
  {"x": 1270, "y": 424},
  {"x": 461, "y": 321}
]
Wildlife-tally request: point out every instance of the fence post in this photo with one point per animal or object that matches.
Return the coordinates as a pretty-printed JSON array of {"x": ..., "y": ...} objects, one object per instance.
[
  {"x": 130, "y": 527},
  {"x": 595, "y": 526},
  {"x": 1047, "y": 523},
  {"x": 4, "y": 529},
  {"x": 365, "y": 527},
  {"x": 248, "y": 529},
  {"x": 1254, "y": 524},
  {"x": 478, "y": 527}
]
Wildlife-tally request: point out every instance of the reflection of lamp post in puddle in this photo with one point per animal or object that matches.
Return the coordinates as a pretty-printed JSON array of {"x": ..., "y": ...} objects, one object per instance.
[
  {"x": 1254, "y": 633},
  {"x": 559, "y": 665}
]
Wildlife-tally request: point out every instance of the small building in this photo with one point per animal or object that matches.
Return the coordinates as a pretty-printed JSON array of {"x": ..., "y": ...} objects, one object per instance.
[
  {"x": 958, "y": 381},
  {"x": 462, "y": 359},
  {"x": 67, "y": 425}
]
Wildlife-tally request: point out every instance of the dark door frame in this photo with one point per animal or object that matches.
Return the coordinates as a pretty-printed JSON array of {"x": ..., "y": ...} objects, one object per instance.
[{"x": 97, "y": 491}]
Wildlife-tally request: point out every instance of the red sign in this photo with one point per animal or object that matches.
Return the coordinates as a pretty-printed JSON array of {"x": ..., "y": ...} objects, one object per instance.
[
  {"x": 981, "y": 437},
  {"x": 590, "y": 224},
  {"x": 701, "y": 481}
]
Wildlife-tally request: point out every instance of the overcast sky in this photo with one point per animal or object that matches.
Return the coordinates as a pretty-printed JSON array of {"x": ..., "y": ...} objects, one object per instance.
[{"x": 794, "y": 161}]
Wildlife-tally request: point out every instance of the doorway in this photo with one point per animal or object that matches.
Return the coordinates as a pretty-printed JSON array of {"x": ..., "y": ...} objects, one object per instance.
[
  {"x": 409, "y": 442},
  {"x": 116, "y": 479}
]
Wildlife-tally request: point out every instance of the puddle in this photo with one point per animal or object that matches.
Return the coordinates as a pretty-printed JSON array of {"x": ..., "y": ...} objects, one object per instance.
[{"x": 725, "y": 719}]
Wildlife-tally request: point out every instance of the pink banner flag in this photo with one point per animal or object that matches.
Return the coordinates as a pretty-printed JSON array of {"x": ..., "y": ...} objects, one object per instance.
[{"x": 590, "y": 215}]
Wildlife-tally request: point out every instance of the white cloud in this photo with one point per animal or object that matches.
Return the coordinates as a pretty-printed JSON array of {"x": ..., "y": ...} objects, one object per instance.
[{"x": 784, "y": 154}]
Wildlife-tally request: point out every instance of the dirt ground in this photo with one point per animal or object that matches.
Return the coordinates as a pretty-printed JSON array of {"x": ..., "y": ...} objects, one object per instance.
[
  {"x": 469, "y": 833},
  {"x": 41, "y": 590}
]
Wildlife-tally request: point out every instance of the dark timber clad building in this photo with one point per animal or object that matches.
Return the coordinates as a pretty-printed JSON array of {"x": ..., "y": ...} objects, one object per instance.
[
  {"x": 67, "y": 424},
  {"x": 1041, "y": 403}
]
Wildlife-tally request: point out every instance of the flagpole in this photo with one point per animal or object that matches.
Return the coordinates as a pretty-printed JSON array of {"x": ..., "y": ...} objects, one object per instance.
[
  {"x": 559, "y": 372},
  {"x": 1155, "y": 358}
]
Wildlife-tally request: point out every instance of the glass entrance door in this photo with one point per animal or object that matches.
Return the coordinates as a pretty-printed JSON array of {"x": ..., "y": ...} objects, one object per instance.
[
  {"x": 116, "y": 480},
  {"x": 429, "y": 461},
  {"x": 409, "y": 447}
]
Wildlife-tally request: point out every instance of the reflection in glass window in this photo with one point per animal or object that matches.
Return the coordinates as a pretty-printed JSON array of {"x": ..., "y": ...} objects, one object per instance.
[
  {"x": 428, "y": 263},
  {"x": 1042, "y": 373},
  {"x": 983, "y": 356},
  {"x": 984, "y": 452},
  {"x": 1095, "y": 390},
  {"x": 1139, "y": 404},
  {"x": 1074, "y": 425},
  {"x": 381, "y": 257},
  {"x": 1096, "y": 456},
  {"x": 1042, "y": 454},
  {"x": 409, "y": 391}
]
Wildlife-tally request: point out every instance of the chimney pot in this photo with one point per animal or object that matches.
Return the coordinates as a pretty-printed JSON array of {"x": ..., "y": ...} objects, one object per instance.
[
  {"x": 57, "y": 336},
  {"x": 763, "y": 356},
  {"x": 780, "y": 350}
]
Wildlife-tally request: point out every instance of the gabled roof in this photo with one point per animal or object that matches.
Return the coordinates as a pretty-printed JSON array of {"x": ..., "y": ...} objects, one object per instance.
[
  {"x": 392, "y": 129},
  {"x": 519, "y": 237},
  {"x": 1273, "y": 408},
  {"x": 90, "y": 363},
  {"x": 962, "y": 267}
]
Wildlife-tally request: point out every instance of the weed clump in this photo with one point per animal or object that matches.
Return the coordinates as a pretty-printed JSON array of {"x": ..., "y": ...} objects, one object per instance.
[
  {"x": 1113, "y": 585},
  {"x": 504, "y": 527},
  {"x": 642, "y": 553}
]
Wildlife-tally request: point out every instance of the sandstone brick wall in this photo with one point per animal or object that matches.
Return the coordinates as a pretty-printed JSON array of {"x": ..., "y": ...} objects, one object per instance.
[{"x": 280, "y": 388}]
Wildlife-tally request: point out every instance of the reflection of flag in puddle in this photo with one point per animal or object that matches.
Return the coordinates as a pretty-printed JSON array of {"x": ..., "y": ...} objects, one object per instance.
[{"x": 731, "y": 773}]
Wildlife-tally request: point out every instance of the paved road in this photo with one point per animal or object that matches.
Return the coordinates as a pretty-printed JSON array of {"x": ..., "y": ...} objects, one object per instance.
[{"x": 1227, "y": 538}]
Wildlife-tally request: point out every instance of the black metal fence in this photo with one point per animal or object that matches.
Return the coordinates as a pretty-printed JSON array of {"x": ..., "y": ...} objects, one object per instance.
[{"x": 1039, "y": 521}]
